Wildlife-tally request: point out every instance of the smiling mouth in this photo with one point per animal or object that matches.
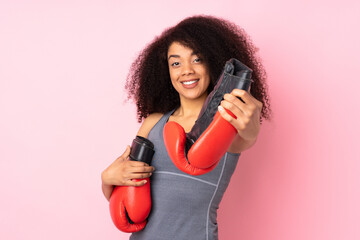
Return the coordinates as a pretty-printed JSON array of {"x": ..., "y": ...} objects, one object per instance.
[{"x": 190, "y": 82}]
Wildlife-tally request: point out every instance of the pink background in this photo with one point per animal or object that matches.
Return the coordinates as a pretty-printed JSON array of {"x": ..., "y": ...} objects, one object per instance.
[{"x": 63, "y": 118}]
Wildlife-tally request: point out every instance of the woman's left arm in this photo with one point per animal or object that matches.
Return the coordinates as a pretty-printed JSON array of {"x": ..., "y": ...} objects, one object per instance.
[{"x": 247, "y": 122}]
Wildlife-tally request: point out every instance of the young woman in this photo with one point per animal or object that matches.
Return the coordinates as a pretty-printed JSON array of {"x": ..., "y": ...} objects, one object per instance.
[{"x": 170, "y": 81}]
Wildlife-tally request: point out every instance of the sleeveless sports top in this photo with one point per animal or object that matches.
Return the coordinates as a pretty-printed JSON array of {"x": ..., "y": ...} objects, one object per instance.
[{"x": 183, "y": 206}]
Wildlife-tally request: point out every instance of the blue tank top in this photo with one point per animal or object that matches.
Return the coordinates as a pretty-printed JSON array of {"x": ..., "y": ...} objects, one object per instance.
[{"x": 183, "y": 206}]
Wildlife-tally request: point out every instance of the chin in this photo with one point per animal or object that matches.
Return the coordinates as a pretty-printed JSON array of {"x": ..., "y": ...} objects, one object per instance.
[{"x": 193, "y": 96}]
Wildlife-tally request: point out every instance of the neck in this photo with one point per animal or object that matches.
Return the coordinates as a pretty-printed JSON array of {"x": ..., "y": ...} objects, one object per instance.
[{"x": 190, "y": 108}]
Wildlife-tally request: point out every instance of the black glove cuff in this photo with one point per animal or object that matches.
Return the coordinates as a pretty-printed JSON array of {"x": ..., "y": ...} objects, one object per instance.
[
  {"x": 142, "y": 150},
  {"x": 234, "y": 75}
]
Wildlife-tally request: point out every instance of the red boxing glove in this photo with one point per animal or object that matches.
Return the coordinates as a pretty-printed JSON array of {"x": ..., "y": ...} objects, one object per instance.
[
  {"x": 204, "y": 155},
  {"x": 199, "y": 151},
  {"x": 130, "y": 206}
]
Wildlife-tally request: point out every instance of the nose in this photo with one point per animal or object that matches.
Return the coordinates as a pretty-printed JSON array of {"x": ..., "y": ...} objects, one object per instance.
[{"x": 187, "y": 69}]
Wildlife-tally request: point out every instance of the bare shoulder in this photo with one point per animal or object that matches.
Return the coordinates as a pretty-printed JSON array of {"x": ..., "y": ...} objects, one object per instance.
[{"x": 148, "y": 124}]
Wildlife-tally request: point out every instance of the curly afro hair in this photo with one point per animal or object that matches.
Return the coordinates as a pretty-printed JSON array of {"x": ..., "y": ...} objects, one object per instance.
[{"x": 216, "y": 40}]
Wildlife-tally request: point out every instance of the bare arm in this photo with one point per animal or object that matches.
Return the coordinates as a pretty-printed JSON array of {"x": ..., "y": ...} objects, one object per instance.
[
  {"x": 122, "y": 170},
  {"x": 247, "y": 122}
]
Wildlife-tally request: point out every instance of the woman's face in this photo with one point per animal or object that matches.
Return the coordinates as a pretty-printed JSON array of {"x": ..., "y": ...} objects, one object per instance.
[{"x": 189, "y": 74}]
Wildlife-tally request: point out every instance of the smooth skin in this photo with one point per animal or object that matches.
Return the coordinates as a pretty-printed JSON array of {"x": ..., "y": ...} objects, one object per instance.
[
  {"x": 187, "y": 66},
  {"x": 184, "y": 66}
]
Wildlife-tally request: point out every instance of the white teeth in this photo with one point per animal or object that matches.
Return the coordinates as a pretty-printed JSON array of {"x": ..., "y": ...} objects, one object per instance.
[{"x": 189, "y": 82}]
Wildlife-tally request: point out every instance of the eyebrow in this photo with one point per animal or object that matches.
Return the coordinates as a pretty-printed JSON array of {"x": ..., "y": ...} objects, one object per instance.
[{"x": 177, "y": 56}]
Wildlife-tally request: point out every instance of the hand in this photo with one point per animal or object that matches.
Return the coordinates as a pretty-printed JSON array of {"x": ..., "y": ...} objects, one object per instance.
[
  {"x": 123, "y": 170},
  {"x": 247, "y": 113}
]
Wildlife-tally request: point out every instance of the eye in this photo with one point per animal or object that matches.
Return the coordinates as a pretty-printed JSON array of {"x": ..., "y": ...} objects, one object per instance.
[
  {"x": 197, "y": 60},
  {"x": 174, "y": 64}
]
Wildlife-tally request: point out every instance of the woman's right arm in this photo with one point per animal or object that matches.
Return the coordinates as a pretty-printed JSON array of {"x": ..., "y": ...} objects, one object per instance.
[{"x": 123, "y": 170}]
